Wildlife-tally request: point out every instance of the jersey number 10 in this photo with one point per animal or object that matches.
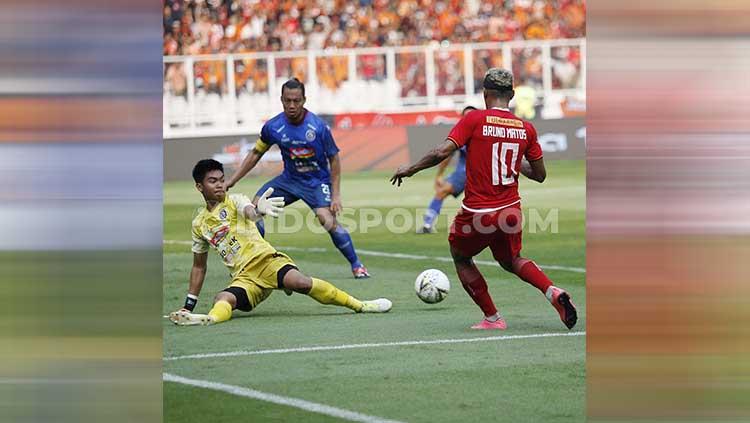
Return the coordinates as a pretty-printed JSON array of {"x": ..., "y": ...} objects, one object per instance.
[{"x": 502, "y": 171}]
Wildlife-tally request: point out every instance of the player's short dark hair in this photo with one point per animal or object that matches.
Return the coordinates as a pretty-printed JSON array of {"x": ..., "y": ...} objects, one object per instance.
[
  {"x": 468, "y": 109},
  {"x": 498, "y": 83},
  {"x": 293, "y": 84},
  {"x": 203, "y": 167}
]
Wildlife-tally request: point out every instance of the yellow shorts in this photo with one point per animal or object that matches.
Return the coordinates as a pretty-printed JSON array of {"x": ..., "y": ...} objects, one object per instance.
[{"x": 260, "y": 278}]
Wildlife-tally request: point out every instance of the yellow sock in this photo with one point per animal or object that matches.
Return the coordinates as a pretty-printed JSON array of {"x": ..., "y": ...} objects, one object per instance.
[
  {"x": 221, "y": 312},
  {"x": 325, "y": 293}
]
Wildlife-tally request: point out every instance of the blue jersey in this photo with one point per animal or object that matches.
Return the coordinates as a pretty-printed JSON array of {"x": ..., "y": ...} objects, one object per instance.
[
  {"x": 461, "y": 164},
  {"x": 305, "y": 148}
]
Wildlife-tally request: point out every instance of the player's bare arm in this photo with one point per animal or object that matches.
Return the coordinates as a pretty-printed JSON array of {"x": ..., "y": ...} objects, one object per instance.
[
  {"x": 198, "y": 273},
  {"x": 247, "y": 165},
  {"x": 335, "y": 163},
  {"x": 534, "y": 170},
  {"x": 197, "y": 276},
  {"x": 433, "y": 157}
]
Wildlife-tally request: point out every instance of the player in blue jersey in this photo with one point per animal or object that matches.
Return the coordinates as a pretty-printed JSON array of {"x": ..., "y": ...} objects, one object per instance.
[
  {"x": 452, "y": 185},
  {"x": 307, "y": 148}
]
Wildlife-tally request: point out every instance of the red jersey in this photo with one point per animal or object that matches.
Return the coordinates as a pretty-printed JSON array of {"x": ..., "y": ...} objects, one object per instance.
[{"x": 495, "y": 141}]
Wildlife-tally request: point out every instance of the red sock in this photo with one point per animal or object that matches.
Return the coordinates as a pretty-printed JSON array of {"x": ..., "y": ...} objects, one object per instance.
[
  {"x": 475, "y": 285},
  {"x": 531, "y": 273}
]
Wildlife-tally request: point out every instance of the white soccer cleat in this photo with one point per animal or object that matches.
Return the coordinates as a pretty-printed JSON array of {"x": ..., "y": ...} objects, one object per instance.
[
  {"x": 381, "y": 305},
  {"x": 186, "y": 318}
]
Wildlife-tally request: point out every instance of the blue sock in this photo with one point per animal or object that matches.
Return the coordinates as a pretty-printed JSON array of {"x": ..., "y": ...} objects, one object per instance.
[
  {"x": 433, "y": 211},
  {"x": 261, "y": 227},
  {"x": 343, "y": 242}
]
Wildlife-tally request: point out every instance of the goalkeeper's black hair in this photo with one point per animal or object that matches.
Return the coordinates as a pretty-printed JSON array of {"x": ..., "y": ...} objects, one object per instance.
[
  {"x": 203, "y": 167},
  {"x": 468, "y": 109},
  {"x": 293, "y": 84}
]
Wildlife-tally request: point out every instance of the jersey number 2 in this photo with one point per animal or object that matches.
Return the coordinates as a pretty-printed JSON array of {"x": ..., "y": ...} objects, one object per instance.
[
  {"x": 502, "y": 172},
  {"x": 326, "y": 191}
]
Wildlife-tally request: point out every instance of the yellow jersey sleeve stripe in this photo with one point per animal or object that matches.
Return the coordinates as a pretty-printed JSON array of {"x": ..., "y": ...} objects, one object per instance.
[{"x": 261, "y": 147}]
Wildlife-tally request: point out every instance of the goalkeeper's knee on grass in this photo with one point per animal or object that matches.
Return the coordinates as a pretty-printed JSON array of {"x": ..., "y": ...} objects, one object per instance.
[{"x": 221, "y": 311}]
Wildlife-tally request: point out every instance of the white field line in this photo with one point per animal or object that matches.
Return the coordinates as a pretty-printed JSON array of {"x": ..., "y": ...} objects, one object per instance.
[
  {"x": 398, "y": 255},
  {"x": 312, "y": 407},
  {"x": 375, "y": 345},
  {"x": 450, "y": 260}
]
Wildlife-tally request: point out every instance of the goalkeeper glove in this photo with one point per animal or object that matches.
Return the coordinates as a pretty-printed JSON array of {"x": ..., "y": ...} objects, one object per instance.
[{"x": 270, "y": 206}]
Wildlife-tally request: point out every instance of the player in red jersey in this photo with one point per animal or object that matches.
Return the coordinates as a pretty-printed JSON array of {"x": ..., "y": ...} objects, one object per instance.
[{"x": 490, "y": 214}]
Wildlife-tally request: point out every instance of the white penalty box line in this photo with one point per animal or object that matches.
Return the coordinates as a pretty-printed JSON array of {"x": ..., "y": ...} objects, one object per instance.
[
  {"x": 372, "y": 345},
  {"x": 400, "y": 256},
  {"x": 309, "y": 406}
]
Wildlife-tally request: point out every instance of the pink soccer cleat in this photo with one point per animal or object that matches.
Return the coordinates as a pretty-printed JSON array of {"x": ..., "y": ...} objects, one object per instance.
[
  {"x": 485, "y": 324},
  {"x": 564, "y": 306}
]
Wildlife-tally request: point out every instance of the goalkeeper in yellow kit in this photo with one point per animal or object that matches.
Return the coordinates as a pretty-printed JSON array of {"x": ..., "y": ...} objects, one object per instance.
[{"x": 226, "y": 223}]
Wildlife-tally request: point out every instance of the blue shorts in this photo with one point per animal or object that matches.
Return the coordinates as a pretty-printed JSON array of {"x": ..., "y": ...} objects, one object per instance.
[
  {"x": 315, "y": 196},
  {"x": 458, "y": 181}
]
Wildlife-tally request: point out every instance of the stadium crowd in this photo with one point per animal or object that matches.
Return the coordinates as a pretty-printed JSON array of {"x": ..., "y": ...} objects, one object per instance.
[
  {"x": 194, "y": 27},
  {"x": 223, "y": 26}
]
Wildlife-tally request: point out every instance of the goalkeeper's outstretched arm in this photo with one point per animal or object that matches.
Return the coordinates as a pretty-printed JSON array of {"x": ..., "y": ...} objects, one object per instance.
[{"x": 266, "y": 206}]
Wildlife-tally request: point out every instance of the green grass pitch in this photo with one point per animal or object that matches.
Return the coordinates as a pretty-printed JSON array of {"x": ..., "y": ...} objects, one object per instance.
[{"x": 509, "y": 380}]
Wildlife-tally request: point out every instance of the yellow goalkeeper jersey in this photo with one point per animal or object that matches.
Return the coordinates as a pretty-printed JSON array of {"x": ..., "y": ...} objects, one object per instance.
[{"x": 226, "y": 229}]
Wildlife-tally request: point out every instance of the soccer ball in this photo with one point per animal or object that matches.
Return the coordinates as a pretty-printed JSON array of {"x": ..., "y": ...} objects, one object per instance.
[{"x": 432, "y": 286}]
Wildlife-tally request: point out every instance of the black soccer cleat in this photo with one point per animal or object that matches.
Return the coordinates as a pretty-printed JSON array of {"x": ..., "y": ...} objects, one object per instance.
[{"x": 564, "y": 306}]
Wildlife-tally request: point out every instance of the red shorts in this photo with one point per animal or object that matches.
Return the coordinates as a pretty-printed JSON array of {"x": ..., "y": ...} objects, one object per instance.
[{"x": 500, "y": 230}]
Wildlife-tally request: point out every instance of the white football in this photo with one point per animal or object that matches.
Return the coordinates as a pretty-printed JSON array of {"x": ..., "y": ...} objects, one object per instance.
[{"x": 432, "y": 286}]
